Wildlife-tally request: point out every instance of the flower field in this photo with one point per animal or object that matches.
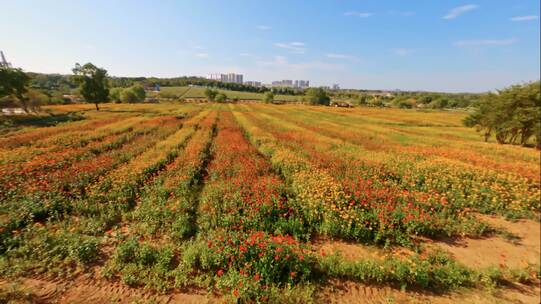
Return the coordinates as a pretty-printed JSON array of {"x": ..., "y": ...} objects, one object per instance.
[{"x": 238, "y": 201}]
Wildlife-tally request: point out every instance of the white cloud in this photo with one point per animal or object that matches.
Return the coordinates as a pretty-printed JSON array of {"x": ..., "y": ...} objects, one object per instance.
[
  {"x": 358, "y": 14},
  {"x": 294, "y": 47},
  {"x": 402, "y": 52},
  {"x": 524, "y": 18},
  {"x": 486, "y": 42},
  {"x": 202, "y": 55},
  {"x": 341, "y": 56},
  {"x": 263, "y": 27},
  {"x": 457, "y": 11}
]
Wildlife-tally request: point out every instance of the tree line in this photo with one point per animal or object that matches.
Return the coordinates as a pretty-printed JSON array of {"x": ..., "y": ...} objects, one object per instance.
[{"x": 54, "y": 85}]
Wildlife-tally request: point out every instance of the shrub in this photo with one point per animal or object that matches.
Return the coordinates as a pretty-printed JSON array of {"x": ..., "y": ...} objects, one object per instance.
[
  {"x": 317, "y": 96},
  {"x": 220, "y": 97}
]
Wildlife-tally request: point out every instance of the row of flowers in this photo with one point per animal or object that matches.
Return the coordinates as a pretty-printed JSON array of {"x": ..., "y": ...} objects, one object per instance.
[
  {"x": 351, "y": 205},
  {"x": 167, "y": 207},
  {"x": 464, "y": 178}
]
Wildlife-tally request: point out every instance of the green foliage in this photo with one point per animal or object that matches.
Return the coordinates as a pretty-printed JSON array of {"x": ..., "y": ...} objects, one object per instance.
[
  {"x": 14, "y": 82},
  {"x": 139, "y": 263},
  {"x": 114, "y": 94},
  {"x": 513, "y": 115},
  {"x": 139, "y": 92},
  {"x": 220, "y": 97},
  {"x": 85, "y": 251},
  {"x": 317, "y": 96},
  {"x": 210, "y": 94},
  {"x": 269, "y": 97},
  {"x": 128, "y": 96},
  {"x": 93, "y": 83}
]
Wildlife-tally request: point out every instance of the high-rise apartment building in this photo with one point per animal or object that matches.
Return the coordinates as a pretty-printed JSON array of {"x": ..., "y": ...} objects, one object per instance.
[{"x": 231, "y": 77}]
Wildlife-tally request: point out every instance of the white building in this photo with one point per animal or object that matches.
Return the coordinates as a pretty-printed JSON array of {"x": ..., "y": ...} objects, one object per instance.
[{"x": 231, "y": 77}]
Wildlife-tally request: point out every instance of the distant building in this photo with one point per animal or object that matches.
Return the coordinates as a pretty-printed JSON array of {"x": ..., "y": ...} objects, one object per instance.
[
  {"x": 217, "y": 77},
  {"x": 231, "y": 77},
  {"x": 335, "y": 87},
  {"x": 253, "y": 83},
  {"x": 152, "y": 88},
  {"x": 3, "y": 62},
  {"x": 301, "y": 84},
  {"x": 297, "y": 84}
]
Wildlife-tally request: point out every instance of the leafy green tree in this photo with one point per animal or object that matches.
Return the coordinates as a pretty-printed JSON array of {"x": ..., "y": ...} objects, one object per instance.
[
  {"x": 317, "y": 96},
  {"x": 139, "y": 92},
  {"x": 114, "y": 94},
  {"x": 14, "y": 82},
  {"x": 361, "y": 100},
  {"x": 513, "y": 115},
  {"x": 220, "y": 97},
  {"x": 269, "y": 97},
  {"x": 439, "y": 103},
  {"x": 129, "y": 95},
  {"x": 210, "y": 94},
  {"x": 93, "y": 83}
]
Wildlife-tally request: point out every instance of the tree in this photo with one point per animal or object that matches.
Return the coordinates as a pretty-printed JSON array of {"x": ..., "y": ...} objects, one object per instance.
[
  {"x": 269, "y": 97},
  {"x": 317, "y": 96},
  {"x": 513, "y": 115},
  {"x": 114, "y": 94},
  {"x": 14, "y": 82},
  {"x": 128, "y": 96},
  {"x": 220, "y": 97},
  {"x": 210, "y": 94},
  {"x": 361, "y": 100},
  {"x": 139, "y": 91},
  {"x": 93, "y": 83}
]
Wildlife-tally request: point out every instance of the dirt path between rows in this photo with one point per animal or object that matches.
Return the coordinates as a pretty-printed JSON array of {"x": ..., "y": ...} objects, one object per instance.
[{"x": 91, "y": 291}]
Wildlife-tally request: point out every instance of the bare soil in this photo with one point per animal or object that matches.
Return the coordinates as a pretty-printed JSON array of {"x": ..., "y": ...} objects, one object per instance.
[
  {"x": 522, "y": 247},
  {"x": 350, "y": 292},
  {"x": 88, "y": 290}
]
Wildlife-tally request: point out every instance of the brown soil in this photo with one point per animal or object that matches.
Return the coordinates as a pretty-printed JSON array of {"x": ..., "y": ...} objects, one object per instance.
[
  {"x": 349, "y": 292},
  {"x": 88, "y": 290},
  {"x": 498, "y": 250}
]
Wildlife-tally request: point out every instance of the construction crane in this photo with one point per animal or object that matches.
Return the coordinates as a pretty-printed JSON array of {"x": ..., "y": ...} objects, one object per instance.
[{"x": 3, "y": 62}]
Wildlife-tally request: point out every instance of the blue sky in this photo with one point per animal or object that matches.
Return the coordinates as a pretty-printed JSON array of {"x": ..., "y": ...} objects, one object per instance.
[{"x": 410, "y": 45}]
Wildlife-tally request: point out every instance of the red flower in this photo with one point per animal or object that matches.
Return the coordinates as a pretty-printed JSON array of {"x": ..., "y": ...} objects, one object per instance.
[
  {"x": 276, "y": 257},
  {"x": 257, "y": 277},
  {"x": 292, "y": 274},
  {"x": 236, "y": 293},
  {"x": 220, "y": 272}
]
